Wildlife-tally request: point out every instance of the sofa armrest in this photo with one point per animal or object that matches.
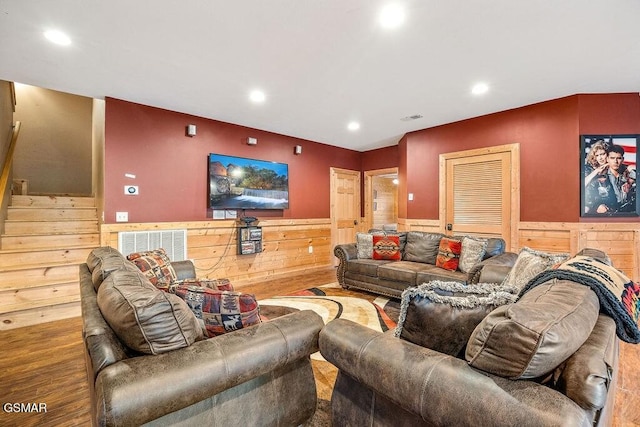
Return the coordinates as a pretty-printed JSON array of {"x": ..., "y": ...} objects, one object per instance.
[
  {"x": 141, "y": 389},
  {"x": 586, "y": 376},
  {"x": 440, "y": 389},
  {"x": 184, "y": 269},
  {"x": 344, "y": 253},
  {"x": 497, "y": 268}
]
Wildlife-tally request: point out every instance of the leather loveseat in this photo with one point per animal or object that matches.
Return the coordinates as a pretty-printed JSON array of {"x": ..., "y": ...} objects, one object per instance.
[
  {"x": 549, "y": 359},
  {"x": 259, "y": 375},
  {"x": 417, "y": 264}
]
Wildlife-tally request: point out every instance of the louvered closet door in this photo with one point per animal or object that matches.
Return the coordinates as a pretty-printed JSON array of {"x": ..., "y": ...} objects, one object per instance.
[{"x": 478, "y": 194}]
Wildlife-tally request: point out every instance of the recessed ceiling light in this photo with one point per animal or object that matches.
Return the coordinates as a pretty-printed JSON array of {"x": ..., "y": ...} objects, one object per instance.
[
  {"x": 353, "y": 126},
  {"x": 391, "y": 16},
  {"x": 57, "y": 37},
  {"x": 480, "y": 89},
  {"x": 257, "y": 96}
]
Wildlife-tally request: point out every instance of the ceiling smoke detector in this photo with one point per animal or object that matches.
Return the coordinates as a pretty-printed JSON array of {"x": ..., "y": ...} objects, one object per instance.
[{"x": 409, "y": 118}]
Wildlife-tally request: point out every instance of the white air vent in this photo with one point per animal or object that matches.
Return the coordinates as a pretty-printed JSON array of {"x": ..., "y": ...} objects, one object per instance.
[
  {"x": 172, "y": 241},
  {"x": 409, "y": 118}
]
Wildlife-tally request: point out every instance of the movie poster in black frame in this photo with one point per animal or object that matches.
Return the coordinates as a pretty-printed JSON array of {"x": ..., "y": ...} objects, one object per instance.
[{"x": 608, "y": 176}]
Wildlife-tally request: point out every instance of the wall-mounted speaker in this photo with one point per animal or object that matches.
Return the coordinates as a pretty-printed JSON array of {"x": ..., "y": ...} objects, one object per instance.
[
  {"x": 297, "y": 149},
  {"x": 191, "y": 130}
]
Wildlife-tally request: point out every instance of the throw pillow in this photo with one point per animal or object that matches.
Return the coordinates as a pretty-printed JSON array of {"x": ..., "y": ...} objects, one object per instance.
[
  {"x": 472, "y": 253},
  {"x": 144, "y": 318},
  {"x": 220, "y": 311},
  {"x": 215, "y": 284},
  {"x": 364, "y": 244},
  {"x": 422, "y": 247},
  {"x": 156, "y": 266},
  {"x": 386, "y": 247},
  {"x": 530, "y": 338},
  {"x": 441, "y": 315},
  {"x": 449, "y": 253},
  {"x": 529, "y": 264}
]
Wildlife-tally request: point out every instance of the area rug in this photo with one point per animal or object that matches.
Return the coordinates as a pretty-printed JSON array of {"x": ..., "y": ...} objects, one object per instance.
[{"x": 331, "y": 301}]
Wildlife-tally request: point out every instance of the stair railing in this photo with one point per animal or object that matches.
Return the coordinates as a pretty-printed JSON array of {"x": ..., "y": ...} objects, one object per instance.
[{"x": 6, "y": 170}]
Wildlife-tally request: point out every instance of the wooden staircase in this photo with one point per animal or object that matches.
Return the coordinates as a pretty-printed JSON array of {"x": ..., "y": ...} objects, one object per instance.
[{"x": 45, "y": 239}]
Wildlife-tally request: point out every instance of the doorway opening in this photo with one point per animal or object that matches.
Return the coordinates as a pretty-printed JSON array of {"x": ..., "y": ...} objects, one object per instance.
[{"x": 381, "y": 199}]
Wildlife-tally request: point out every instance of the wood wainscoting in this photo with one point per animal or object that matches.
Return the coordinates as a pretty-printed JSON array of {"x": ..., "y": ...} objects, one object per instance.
[
  {"x": 288, "y": 246},
  {"x": 619, "y": 240}
]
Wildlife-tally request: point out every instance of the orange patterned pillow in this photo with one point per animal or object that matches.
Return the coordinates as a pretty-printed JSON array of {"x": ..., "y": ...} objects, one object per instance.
[
  {"x": 449, "y": 253},
  {"x": 386, "y": 247}
]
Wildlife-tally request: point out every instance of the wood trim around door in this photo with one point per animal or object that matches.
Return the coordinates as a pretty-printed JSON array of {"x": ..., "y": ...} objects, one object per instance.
[{"x": 514, "y": 175}]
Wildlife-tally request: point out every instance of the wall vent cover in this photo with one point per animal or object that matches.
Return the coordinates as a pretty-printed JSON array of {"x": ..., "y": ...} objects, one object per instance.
[{"x": 172, "y": 241}]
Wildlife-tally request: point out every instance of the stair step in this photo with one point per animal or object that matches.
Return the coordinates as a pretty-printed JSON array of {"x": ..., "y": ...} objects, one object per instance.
[
  {"x": 50, "y": 201},
  {"x": 38, "y": 276},
  {"x": 49, "y": 241},
  {"x": 38, "y": 297},
  {"x": 49, "y": 214},
  {"x": 36, "y": 316},
  {"x": 50, "y": 227},
  {"x": 22, "y": 259}
]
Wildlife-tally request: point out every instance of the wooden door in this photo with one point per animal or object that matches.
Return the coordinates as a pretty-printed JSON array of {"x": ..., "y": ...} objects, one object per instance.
[
  {"x": 481, "y": 193},
  {"x": 345, "y": 206}
]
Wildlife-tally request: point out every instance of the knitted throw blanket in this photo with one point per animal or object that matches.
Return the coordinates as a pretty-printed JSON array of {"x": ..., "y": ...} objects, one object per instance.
[{"x": 619, "y": 296}]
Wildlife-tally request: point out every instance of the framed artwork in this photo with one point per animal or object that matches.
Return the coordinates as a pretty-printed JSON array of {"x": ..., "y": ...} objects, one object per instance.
[{"x": 608, "y": 175}]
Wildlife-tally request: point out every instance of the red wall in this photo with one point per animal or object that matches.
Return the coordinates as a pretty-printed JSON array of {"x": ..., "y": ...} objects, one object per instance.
[
  {"x": 382, "y": 158},
  {"x": 171, "y": 168},
  {"x": 548, "y": 134}
]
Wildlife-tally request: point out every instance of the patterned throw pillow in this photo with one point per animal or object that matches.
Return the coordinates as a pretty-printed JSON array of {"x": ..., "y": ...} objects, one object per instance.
[
  {"x": 220, "y": 311},
  {"x": 215, "y": 284},
  {"x": 156, "y": 266},
  {"x": 386, "y": 247},
  {"x": 529, "y": 264},
  {"x": 449, "y": 253},
  {"x": 364, "y": 244},
  {"x": 472, "y": 253}
]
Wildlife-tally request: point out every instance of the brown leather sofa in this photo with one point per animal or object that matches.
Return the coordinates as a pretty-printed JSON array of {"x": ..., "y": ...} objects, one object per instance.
[
  {"x": 419, "y": 250},
  {"x": 260, "y": 375},
  {"x": 549, "y": 359}
]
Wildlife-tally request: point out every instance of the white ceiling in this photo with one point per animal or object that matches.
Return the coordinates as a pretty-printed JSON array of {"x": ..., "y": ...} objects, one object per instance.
[{"x": 325, "y": 63}]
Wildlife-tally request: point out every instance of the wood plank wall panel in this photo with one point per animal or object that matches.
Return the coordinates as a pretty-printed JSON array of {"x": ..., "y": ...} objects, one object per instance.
[
  {"x": 620, "y": 240},
  {"x": 212, "y": 245}
]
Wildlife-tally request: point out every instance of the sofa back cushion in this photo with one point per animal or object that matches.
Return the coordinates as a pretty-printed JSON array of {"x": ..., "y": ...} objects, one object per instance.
[
  {"x": 102, "y": 261},
  {"x": 422, "y": 247},
  {"x": 495, "y": 246},
  {"x": 531, "y": 337},
  {"x": 143, "y": 317}
]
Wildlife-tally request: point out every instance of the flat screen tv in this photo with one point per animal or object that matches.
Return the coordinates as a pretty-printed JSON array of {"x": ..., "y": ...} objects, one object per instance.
[{"x": 241, "y": 183}]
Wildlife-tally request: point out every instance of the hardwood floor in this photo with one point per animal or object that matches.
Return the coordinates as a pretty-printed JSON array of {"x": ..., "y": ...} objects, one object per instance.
[{"x": 44, "y": 364}]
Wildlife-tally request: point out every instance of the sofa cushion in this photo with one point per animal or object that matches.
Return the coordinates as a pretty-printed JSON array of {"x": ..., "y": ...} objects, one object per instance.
[
  {"x": 472, "y": 252},
  {"x": 102, "y": 261},
  {"x": 531, "y": 337},
  {"x": 529, "y": 264},
  {"x": 422, "y": 247},
  {"x": 367, "y": 267},
  {"x": 495, "y": 246},
  {"x": 386, "y": 247},
  {"x": 432, "y": 273},
  {"x": 143, "y": 317},
  {"x": 449, "y": 253},
  {"x": 156, "y": 266},
  {"x": 401, "y": 271},
  {"x": 220, "y": 311}
]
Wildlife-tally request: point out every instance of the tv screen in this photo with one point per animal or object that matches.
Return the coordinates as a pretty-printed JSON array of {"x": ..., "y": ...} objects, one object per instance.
[{"x": 241, "y": 183}]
